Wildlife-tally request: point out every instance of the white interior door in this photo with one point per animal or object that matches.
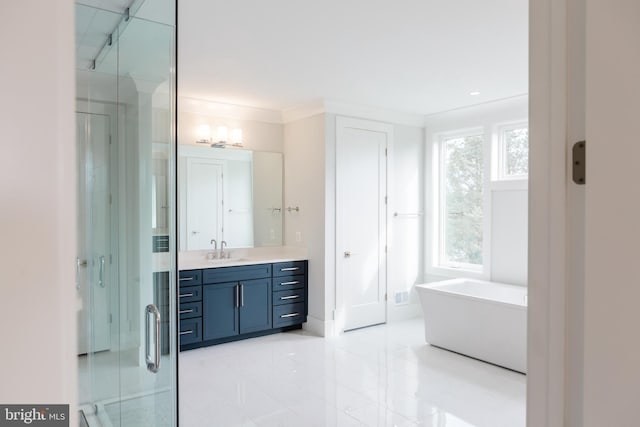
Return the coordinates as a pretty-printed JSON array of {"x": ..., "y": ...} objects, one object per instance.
[
  {"x": 361, "y": 183},
  {"x": 204, "y": 203},
  {"x": 94, "y": 242},
  {"x": 612, "y": 208}
]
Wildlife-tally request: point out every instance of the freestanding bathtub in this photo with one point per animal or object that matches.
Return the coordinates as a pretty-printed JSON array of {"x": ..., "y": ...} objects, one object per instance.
[{"x": 484, "y": 320}]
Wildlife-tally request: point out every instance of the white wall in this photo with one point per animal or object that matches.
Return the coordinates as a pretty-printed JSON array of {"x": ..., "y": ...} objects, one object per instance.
[
  {"x": 509, "y": 236},
  {"x": 406, "y": 231},
  {"x": 304, "y": 187},
  {"x": 508, "y": 203},
  {"x": 37, "y": 189}
]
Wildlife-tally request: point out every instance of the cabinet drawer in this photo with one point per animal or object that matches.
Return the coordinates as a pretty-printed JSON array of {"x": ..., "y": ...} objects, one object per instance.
[
  {"x": 288, "y": 268},
  {"x": 288, "y": 314},
  {"x": 288, "y": 297},
  {"x": 235, "y": 274},
  {"x": 288, "y": 282},
  {"x": 190, "y": 331},
  {"x": 190, "y": 309},
  {"x": 160, "y": 243},
  {"x": 190, "y": 278},
  {"x": 190, "y": 294}
]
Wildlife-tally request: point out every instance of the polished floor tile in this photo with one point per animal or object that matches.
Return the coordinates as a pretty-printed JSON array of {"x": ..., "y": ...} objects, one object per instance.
[{"x": 380, "y": 376}]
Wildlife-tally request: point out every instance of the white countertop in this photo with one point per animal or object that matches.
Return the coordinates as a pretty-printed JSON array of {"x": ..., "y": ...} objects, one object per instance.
[{"x": 195, "y": 260}]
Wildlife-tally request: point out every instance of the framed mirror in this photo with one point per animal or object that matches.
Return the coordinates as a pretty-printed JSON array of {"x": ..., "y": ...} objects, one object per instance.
[{"x": 229, "y": 195}]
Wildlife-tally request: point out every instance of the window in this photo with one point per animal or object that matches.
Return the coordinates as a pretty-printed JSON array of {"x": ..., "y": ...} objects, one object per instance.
[
  {"x": 513, "y": 152},
  {"x": 461, "y": 201}
]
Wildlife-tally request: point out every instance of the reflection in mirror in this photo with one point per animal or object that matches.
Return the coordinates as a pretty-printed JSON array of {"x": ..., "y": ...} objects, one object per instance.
[{"x": 229, "y": 195}]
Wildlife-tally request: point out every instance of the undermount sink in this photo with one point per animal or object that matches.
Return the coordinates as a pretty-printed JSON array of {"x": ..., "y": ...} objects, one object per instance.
[{"x": 226, "y": 260}]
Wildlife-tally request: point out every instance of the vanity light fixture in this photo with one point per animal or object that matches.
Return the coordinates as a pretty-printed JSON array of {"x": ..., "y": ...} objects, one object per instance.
[{"x": 222, "y": 139}]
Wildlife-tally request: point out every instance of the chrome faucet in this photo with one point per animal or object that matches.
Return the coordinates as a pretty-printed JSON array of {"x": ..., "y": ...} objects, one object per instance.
[
  {"x": 222, "y": 245},
  {"x": 213, "y": 254}
]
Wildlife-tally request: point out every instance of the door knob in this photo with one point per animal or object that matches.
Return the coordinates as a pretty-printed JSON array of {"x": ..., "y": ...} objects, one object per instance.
[
  {"x": 347, "y": 254},
  {"x": 195, "y": 232}
]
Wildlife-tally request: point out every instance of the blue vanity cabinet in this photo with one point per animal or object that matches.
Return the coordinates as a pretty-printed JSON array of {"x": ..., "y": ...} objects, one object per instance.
[
  {"x": 190, "y": 307},
  {"x": 255, "y": 305},
  {"x": 242, "y": 301},
  {"x": 289, "y": 293},
  {"x": 236, "y": 300},
  {"x": 220, "y": 303}
]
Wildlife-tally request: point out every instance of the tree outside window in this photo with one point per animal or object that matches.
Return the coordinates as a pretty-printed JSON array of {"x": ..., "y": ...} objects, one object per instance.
[{"x": 463, "y": 178}]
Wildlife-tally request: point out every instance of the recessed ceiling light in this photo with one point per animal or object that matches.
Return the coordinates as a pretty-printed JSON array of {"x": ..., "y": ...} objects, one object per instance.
[{"x": 474, "y": 93}]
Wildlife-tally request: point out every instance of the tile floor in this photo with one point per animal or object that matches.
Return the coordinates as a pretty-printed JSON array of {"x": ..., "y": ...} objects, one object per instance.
[{"x": 379, "y": 376}]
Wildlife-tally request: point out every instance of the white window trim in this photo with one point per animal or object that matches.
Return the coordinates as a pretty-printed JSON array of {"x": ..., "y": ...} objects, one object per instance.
[
  {"x": 436, "y": 201},
  {"x": 498, "y": 161}
]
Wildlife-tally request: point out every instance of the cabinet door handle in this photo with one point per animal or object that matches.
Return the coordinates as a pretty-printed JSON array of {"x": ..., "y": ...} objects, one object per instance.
[
  {"x": 185, "y": 295},
  {"x": 153, "y": 364},
  {"x": 295, "y": 282},
  {"x": 186, "y": 311},
  {"x": 186, "y": 332},
  {"x": 290, "y": 269},
  {"x": 290, "y": 297},
  {"x": 237, "y": 296},
  {"x": 185, "y": 279},
  {"x": 241, "y": 295},
  {"x": 284, "y": 316}
]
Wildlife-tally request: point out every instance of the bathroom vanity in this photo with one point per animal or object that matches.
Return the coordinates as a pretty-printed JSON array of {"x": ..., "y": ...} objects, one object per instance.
[{"x": 240, "y": 299}]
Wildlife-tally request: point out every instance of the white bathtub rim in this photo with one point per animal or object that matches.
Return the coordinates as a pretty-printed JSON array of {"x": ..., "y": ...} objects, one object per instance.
[{"x": 436, "y": 287}]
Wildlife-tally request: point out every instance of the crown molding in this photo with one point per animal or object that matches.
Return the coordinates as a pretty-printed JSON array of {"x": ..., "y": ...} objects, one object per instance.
[
  {"x": 329, "y": 106},
  {"x": 303, "y": 111}
]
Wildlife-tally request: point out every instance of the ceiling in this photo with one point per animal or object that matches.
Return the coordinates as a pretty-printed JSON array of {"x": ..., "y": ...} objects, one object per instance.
[{"x": 417, "y": 56}]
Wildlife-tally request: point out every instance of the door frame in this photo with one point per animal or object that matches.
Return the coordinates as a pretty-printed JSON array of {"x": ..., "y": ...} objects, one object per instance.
[
  {"x": 550, "y": 209},
  {"x": 343, "y": 122}
]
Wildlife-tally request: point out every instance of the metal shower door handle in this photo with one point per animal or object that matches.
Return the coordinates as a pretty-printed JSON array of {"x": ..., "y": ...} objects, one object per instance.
[
  {"x": 101, "y": 272},
  {"x": 153, "y": 363},
  {"x": 347, "y": 254}
]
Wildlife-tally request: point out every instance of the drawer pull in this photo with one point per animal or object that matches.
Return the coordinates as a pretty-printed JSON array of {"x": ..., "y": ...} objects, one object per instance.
[
  {"x": 290, "y": 297},
  {"x": 186, "y": 332},
  {"x": 295, "y": 282},
  {"x": 186, "y": 295},
  {"x": 290, "y": 269},
  {"x": 185, "y": 279},
  {"x": 284, "y": 316},
  {"x": 186, "y": 311}
]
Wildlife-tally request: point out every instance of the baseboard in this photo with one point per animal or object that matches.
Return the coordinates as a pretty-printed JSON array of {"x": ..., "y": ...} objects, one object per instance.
[
  {"x": 403, "y": 312},
  {"x": 322, "y": 328}
]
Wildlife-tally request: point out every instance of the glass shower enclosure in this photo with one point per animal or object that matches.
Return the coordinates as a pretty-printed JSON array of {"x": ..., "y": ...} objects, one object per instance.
[{"x": 125, "y": 281}]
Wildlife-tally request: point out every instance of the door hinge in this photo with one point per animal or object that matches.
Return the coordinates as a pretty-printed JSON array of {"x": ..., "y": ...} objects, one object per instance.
[
  {"x": 579, "y": 160},
  {"x": 385, "y": 199},
  {"x": 110, "y": 318},
  {"x": 385, "y": 297},
  {"x": 386, "y": 152}
]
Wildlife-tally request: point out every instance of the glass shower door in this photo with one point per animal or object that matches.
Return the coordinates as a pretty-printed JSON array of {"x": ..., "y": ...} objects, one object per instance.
[{"x": 125, "y": 102}]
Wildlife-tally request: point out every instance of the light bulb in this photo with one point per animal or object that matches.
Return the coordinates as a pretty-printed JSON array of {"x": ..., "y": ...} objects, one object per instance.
[
  {"x": 236, "y": 136},
  {"x": 222, "y": 133},
  {"x": 203, "y": 133}
]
